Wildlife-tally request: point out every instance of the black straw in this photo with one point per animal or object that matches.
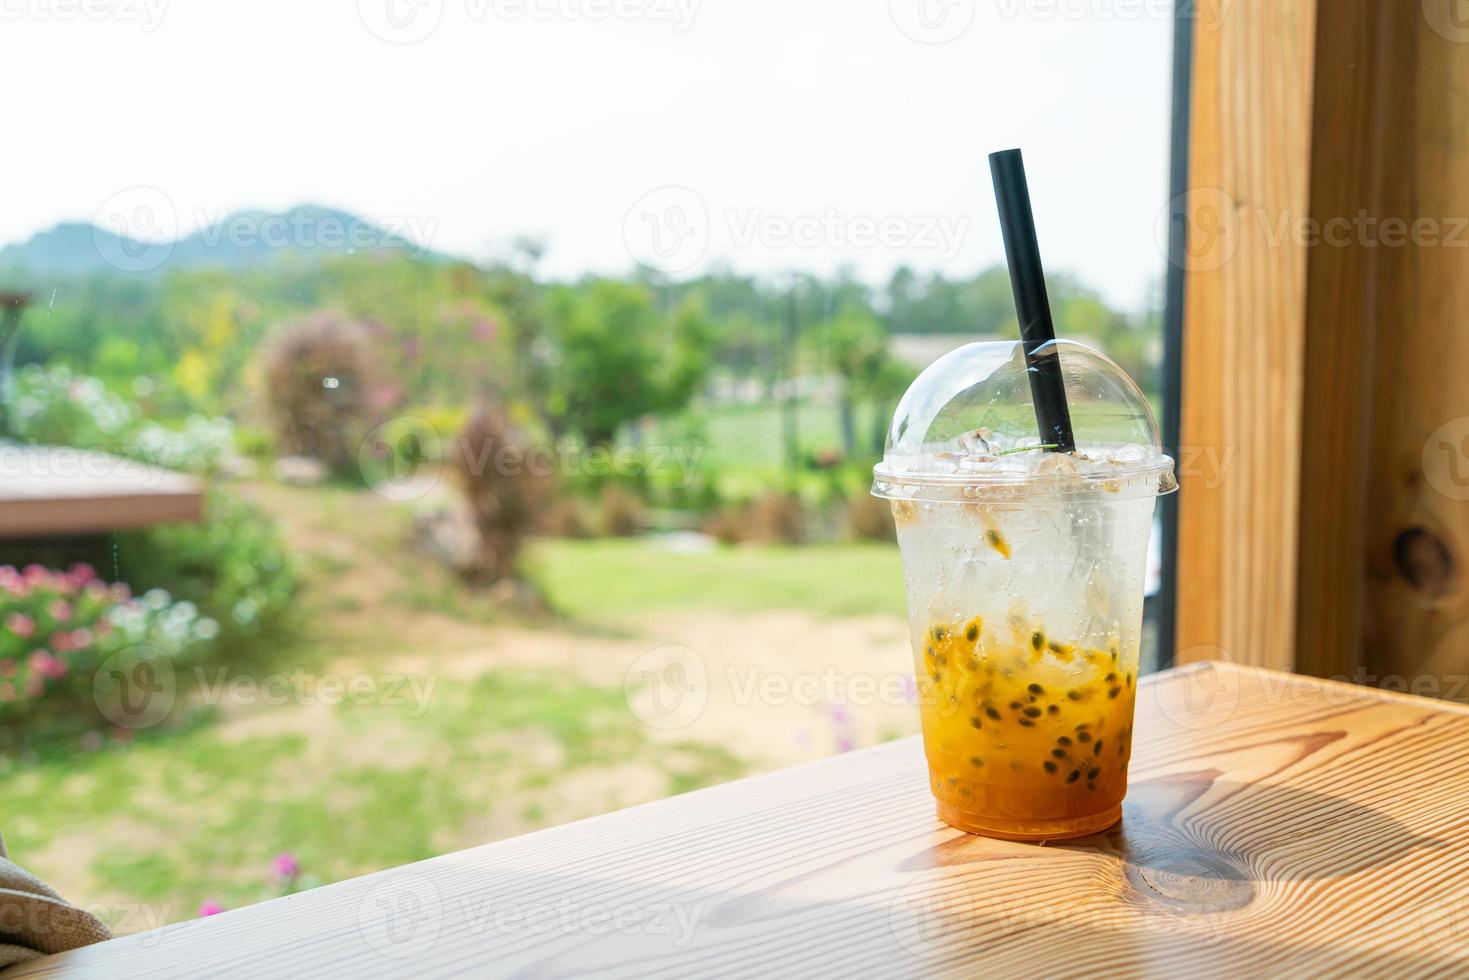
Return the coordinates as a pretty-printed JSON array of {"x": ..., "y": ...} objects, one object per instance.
[{"x": 1028, "y": 282}]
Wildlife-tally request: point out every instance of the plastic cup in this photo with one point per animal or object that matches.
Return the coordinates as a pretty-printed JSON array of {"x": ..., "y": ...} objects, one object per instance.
[{"x": 1024, "y": 572}]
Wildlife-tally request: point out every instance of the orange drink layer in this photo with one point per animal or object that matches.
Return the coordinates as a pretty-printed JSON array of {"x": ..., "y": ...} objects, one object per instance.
[{"x": 1026, "y": 740}]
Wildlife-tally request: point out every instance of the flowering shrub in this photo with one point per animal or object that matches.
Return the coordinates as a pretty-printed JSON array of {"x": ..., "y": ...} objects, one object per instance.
[
  {"x": 234, "y": 565},
  {"x": 57, "y": 627},
  {"x": 51, "y": 406}
]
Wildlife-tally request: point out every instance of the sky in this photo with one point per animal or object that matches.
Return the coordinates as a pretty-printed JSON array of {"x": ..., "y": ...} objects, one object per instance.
[{"x": 766, "y": 135}]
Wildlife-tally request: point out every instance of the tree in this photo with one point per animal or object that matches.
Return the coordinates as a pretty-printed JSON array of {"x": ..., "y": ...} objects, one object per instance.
[
  {"x": 854, "y": 346},
  {"x": 618, "y": 357}
]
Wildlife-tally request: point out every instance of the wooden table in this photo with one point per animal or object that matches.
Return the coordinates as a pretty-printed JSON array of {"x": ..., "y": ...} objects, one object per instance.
[
  {"x": 1275, "y": 826},
  {"x": 53, "y": 490}
]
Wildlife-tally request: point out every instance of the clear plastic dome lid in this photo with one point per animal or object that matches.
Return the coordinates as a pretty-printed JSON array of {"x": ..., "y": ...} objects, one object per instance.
[{"x": 966, "y": 429}]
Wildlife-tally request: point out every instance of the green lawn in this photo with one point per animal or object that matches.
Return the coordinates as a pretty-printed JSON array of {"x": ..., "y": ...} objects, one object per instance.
[
  {"x": 750, "y": 435},
  {"x": 369, "y": 787},
  {"x": 196, "y": 813},
  {"x": 620, "y": 578}
]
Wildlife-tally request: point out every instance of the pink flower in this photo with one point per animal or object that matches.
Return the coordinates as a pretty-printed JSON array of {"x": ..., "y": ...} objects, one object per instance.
[
  {"x": 35, "y": 574},
  {"x": 79, "y": 639},
  {"x": 209, "y": 908},
  {"x": 34, "y": 685},
  {"x": 98, "y": 590},
  {"x": 101, "y": 628},
  {"x": 40, "y": 661},
  {"x": 285, "y": 867},
  {"x": 20, "y": 624},
  {"x": 60, "y": 610},
  {"x": 61, "y": 640},
  {"x": 121, "y": 592},
  {"x": 82, "y": 573}
]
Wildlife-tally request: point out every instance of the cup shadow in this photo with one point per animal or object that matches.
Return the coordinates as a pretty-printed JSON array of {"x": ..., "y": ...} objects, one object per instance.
[{"x": 1194, "y": 842}]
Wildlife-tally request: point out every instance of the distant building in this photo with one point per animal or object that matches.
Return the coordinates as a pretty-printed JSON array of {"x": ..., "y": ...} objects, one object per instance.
[{"x": 919, "y": 350}]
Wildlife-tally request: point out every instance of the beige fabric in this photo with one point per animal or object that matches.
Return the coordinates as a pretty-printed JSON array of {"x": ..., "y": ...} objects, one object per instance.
[{"x": 35, "y": 921}]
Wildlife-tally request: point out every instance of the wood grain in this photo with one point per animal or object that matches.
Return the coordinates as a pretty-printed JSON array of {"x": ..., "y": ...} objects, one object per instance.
[
  {"x": 1275, "y": 826},
  {"x": 1244, "y": 330},
  {"x": 1417, "y": 533},
  {"x": 1384, "y": 524}
]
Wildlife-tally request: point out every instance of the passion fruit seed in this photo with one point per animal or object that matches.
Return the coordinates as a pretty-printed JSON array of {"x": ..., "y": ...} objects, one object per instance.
[
  {"x": 1073, "y": 775},
  {"x": 1114, "y": 692},
  {"x": 1053, "y": 709},
  {"x": 1084, "y": 736},
  {"x": 1074, "y": 694},
  {"x": 972, "y": 633},
  {"x": 1032, "y": 712},
  {"x": 1049, "y": 765},
  {"x": 974, "y": 722},
  {"x": 1097, "y": 748},
  {"x": 1026, "y": 723},
  {"x": 1063, "y": 740},
  {"x": 976, "y": 761},
  {"x": 1110, "y": 677},
  {"x": 1037, "y": 640},
  {"x": 1091, "y": 773},
  {"x": 1036, "y": 689},
  {"x": 1058, "y": 753},
  {"x": 992, "y": 711}
]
